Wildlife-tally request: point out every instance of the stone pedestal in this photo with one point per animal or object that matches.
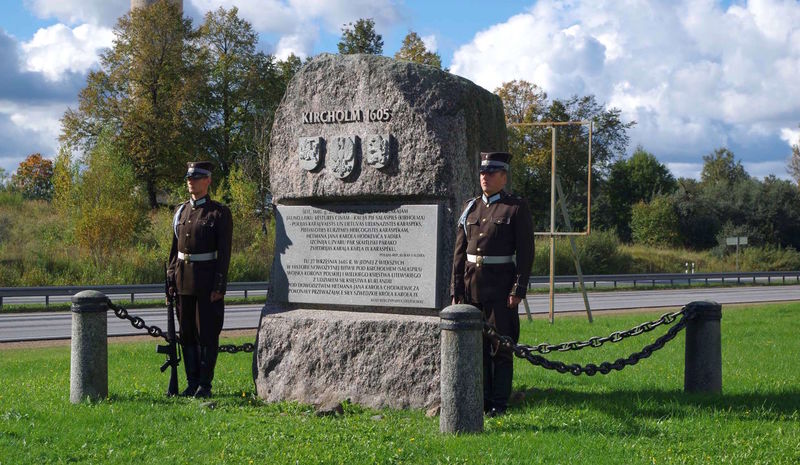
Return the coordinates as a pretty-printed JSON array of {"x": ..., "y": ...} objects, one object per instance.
[
  {"x": 88, "y": 370},
  {"x": 462, "y": 370},
  {"x": 703, "y": 354},
  {"x": 325, "y": 357}
]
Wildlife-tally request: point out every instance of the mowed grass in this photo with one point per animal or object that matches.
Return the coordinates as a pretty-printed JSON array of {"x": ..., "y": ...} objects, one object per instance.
[{"x": 639, "y": 415}]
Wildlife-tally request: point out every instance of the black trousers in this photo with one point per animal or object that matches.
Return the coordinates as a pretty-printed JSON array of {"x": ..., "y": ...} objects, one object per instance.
[
  {"x": 498, "y": 363},
  {"x": 200, "y": 319}
]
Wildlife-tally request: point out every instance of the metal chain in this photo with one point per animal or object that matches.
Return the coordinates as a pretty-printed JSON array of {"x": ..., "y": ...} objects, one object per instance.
[
  {"x": 616, "y": 336},
  {"x": 247, "y": 347},
  {"x": 155, "y": 331},
  {"x": 590, "y": 369},
  {"x": 136, "y": 321}
]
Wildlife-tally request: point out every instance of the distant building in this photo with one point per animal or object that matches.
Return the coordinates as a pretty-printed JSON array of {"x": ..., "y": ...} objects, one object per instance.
[{"x": 146, "y": 3}]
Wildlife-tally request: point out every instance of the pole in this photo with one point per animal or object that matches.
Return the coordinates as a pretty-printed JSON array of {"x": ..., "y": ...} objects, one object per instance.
[{"x": 552, "y": 227}]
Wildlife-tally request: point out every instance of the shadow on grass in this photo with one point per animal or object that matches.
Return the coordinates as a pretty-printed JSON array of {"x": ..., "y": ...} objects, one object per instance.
[{"x": 634, "y": 410}]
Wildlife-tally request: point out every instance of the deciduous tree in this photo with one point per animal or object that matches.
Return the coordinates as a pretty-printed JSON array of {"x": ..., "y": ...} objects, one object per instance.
[
  {"x": 142, "y": 95},
  {"x": 34, "y": 177}
]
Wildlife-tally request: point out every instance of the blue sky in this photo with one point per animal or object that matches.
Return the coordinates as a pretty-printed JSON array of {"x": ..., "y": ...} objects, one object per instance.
[{"x": 694, "y": 74}]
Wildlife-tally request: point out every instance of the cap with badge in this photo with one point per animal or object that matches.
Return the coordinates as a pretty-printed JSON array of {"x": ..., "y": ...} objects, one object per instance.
[
  {"x": 199, "y": 169},
  {"x": 494, "y": 161}
]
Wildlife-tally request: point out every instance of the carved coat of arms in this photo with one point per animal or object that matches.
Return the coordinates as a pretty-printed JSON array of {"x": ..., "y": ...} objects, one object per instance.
[
  {"x": 309, "y": 152},
  {"x": 342, "y": 156},
  {"x": 378, "y": 153}
]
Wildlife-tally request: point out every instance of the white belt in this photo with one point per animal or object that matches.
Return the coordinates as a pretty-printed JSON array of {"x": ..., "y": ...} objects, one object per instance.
[
  {"x": 198, "y": 257},
  {"x": 490, "y": 259}
]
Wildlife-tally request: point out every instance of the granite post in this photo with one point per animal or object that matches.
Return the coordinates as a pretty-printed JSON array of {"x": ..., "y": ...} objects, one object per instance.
[
  {"x": 461, "y": 370},
  {"x": 88, "y": 372},
  {"x": 703, "y": 356}
]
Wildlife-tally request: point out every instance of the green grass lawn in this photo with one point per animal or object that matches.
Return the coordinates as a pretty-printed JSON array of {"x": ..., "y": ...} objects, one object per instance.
[{"x": 639, "y": 415}]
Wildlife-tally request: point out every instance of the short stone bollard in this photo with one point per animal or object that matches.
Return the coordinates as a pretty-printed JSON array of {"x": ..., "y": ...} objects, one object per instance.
[
  {"x": 462, "y": 370},
  {"x": 703, "y": 358},
  {"x": 88, "y": 371}
]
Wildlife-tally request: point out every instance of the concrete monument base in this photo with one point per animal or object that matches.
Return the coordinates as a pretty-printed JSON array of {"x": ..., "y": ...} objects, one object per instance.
[{"x": 322, "y": 357}]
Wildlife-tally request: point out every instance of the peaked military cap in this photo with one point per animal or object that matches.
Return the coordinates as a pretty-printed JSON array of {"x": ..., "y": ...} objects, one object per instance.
[
  {"x": 494, "y": 161},
  {"x": 199, "y": 169}
]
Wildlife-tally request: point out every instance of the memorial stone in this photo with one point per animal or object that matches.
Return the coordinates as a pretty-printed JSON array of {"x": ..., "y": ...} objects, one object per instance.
[{"x": 371, "y": 161}]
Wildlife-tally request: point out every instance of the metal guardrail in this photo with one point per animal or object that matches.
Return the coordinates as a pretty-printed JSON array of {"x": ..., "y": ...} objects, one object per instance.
[
  {"x": 614, "y": 279},
  {"x": 132, "y": 289},
  {"x": 672, "y": 278}
]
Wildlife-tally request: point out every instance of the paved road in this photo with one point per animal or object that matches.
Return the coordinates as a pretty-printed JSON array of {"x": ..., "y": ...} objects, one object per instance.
[{"x": 57, "y": 325}]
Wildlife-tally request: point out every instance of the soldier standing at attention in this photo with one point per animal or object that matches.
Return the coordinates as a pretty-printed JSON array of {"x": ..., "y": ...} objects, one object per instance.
[
  {"x": 198, "y": 276},
  {"x": 493, "y": 228}
]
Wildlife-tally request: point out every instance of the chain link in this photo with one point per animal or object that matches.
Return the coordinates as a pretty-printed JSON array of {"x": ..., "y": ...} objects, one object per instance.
[
  {"x": 528, "y": 352},
  {"x": 155, "y": 331},
  {"x": 247, "y": 347},
  {"x": 136, "y": 322}
]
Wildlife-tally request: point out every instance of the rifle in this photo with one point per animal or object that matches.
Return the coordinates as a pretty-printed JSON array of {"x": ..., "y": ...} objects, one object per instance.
[{"x": 171, "y": 348}]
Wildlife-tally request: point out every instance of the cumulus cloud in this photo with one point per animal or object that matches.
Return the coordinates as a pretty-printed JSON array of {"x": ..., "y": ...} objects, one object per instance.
[
  {"x": 30, "y": 105},
  {"x": 695, "y": 75},
  {"x": 103, "y": 12},
  {"x": 58, "y": 49},
  {"x": 431, "y": 44},
  {"x": 297, "y": 23}
]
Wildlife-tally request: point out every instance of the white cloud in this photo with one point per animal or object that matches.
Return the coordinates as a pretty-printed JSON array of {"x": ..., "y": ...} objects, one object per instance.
[
  {"x": 431, "y": 44},
  {"x": 694, "y": 75},
  {"x": 297, "y": 22},
  {"x": 103, "y": 12},
  {"x": 790, "y": 136},
  {"x": 685, "y": 170},
  {"x": 58, "y": 49}
]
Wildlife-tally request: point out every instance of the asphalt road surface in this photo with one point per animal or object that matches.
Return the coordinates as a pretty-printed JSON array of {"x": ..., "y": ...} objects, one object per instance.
[{"x": 57, "y": 325}]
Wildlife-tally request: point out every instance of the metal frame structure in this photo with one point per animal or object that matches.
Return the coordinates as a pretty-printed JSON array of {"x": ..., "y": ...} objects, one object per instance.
[{"x": 553, "y": 187}]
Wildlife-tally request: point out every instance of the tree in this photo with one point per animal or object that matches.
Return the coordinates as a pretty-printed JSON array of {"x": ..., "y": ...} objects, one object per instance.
[
  {"x": 414, "y": 50},
  {"x": 3, "y": 178},
  {"x": 721, "y": 167},
  {"x": 34, "y": 177},
  {"x": 65, "y": 175},
  {"x": 655, "y": 222},
  {"x": 638, "y": 178},
  {"x": 360, "y": 38},
  {"x": 531, "y": 146},
  {"x": 234, "y": 92},
  {"x": 793, "y": 165},
  {"x": 142, "y": 95},
  {"x": 110, "y": 211}
]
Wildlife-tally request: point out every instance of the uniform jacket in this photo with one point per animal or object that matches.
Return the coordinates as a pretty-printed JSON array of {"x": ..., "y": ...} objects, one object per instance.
[
  {"x": 205, "y": 228},
  {"x": 503, "y": 227}
]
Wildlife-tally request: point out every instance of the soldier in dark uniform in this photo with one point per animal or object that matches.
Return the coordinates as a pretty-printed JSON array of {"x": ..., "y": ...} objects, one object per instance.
[
  {"x": 491, "y": 266},
  {"x": 198, "y": 276}
]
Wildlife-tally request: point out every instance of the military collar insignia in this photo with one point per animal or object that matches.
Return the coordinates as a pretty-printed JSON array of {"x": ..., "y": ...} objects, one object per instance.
[
  {"x": 490, "y": 200},
  {"x": 198, "y": 202}
]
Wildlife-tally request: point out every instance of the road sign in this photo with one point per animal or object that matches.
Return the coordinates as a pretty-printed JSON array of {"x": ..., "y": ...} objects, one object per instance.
[{"x": 740, "y": 240}]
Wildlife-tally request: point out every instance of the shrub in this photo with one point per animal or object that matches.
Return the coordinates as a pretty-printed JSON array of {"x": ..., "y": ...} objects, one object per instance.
[
  {"x": 655, "y": 223},
  {"x": 599, "y": 253}
]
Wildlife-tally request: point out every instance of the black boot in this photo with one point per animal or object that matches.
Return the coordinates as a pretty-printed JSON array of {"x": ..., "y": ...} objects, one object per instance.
[
  {"x": 501, "y": 381},
  {"x": 191, "y": 362},
  {"x": 208, "y": 360}
]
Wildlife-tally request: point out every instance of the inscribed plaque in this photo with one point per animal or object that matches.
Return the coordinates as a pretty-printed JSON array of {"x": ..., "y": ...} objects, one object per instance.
[{"x": 384, "y": 255}]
